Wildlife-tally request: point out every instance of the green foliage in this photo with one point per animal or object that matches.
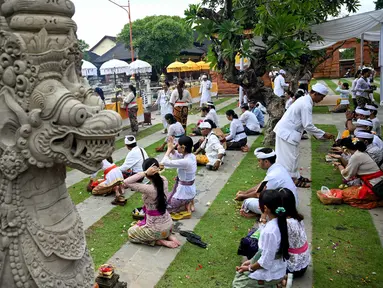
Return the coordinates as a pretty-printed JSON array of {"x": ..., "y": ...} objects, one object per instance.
[
  {"x": 283, "y": 26},
  {"x": 159, "y": 39},
  {"x": 84, "y": 48},
  {"x": 378, "y": 4}
]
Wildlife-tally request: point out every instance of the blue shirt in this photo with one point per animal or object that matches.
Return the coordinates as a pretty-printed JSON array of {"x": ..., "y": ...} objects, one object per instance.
[{"x": 260, "y": 116}]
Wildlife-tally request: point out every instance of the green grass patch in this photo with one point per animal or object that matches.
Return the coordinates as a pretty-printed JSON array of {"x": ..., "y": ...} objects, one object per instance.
[
  {"x": 346, "y": 245},
  {"x": 232, "y": 106},
  {"x": 331, "y": 85},
  {"x": 313, "y": 82},
  {"x": 222, "y": 228},
  {"x": 321, "y": 110}
]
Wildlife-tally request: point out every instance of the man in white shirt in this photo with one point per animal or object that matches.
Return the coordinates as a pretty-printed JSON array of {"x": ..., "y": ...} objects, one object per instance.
[
  {"x": 277, "y": 177},
  {"x": 280, "y": 84},
  {"x": 204, "y": 90},
  {"x": 134, "y": 159},
  {"x": 289, "y": 130},
  {"x": 214, "y": 151},
  {"x": 250, "y": 121}
]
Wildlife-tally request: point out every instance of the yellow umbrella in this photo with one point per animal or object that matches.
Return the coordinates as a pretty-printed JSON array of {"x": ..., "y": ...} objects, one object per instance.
[
  {"x": 190, "y": 66},
  {"x": 203, "y": 65},
  {"x": 175, "y": 67}
]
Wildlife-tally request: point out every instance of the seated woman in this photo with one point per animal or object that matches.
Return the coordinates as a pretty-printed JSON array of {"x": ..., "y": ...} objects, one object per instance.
[
  {"x": 269, "y": 265},
  {"x": 175, "y": 130},
  {"x": 156, "y": 228},
  {"x": 237, "y": 139},
  {"x": 361, "y": 165},
  {"x": 112, "y": 182},
  {"x": 184, "y": 190},
  {"x": 249, "y": 121},
  {"x": 344, "y": 104}
]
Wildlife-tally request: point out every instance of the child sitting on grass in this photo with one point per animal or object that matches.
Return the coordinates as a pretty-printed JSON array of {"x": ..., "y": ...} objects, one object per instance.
[{"x": 269, "y": 265}]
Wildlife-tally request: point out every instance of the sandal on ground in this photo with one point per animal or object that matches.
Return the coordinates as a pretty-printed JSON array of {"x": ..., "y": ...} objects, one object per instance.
[
  {"x": 120, "y": 201},
  {"x": 197, "y": 242},
  {"x": 181, "y": 215},
  {"x": 302, "y": 184},
  {"x": 245, "y": 148},
  {"x": 303, "y": 179},
  {"x": 189, "y": 234}
]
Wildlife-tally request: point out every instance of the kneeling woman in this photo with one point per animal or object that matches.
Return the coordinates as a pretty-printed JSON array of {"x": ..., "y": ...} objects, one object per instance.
[
  {"x": 237, "y": 138},
  {"x": 362, "y": 166},
  {"x": 182, "y": 196},
  {"x": 175, "y": 130},
  {"x": 156, "y": 228}
]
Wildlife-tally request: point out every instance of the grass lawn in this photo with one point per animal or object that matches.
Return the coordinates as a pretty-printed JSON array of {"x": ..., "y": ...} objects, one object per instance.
[
  {"x": 224, "y": 109},
  {"x": 222, "y": 228},
  {"x": 346, "y": 246},
  {"x": 321, "y": 110}
]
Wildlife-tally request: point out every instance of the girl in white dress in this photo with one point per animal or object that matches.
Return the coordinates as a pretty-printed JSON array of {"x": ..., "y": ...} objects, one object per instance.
[
  {"x": 269, "y": 264},
  {"x": 184, "y": 190},
  {"x": 298, "y": 245}
]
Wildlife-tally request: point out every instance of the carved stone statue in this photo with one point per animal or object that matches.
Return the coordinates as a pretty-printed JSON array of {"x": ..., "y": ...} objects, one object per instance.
[{"x": 49, "y": 119}]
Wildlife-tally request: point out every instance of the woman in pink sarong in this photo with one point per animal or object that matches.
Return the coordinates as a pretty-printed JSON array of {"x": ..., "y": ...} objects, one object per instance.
[{"x": 156, "y": 228}]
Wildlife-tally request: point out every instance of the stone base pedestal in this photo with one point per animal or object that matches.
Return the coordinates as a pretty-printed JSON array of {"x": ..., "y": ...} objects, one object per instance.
[{"x": 111, "y": 283}]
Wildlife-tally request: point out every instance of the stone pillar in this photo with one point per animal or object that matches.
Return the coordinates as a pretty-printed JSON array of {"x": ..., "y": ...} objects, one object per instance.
[{"x": 49, "y": 119}]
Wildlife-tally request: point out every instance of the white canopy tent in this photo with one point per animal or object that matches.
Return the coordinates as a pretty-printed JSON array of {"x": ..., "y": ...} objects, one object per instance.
[
  {"x": 114, "y": 66},
  {"x": 366, "y": 26},
  {"x": 139, "y": 67},
  {"x": 88, "y": 69}
]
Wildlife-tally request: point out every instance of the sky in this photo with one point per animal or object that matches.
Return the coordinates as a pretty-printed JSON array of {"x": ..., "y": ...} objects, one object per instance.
[{"x": 97, "y": 18}]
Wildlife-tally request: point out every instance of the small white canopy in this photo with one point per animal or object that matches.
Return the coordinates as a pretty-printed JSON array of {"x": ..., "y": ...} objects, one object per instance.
[
  {"x": 139, "y": 67},
  {"x": 114, "y": 66},
  {"x": 88, "y": 69},
  {"x": 367, "y": 24}
]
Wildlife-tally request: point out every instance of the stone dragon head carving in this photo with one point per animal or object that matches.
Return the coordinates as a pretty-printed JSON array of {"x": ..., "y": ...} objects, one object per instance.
[
  {"x": 49, "y": 119},
  {"x": 52, "y": 114}
]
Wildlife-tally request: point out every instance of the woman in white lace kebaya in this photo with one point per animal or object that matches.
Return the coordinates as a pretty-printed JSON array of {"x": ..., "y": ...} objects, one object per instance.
[{"x": 298, "y": 246}]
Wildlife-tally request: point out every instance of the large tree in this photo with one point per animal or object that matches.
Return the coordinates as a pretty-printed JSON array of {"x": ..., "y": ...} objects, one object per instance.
[
  {"x": 158, "y": 39},
  {"x": 271, "y": 33}
]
